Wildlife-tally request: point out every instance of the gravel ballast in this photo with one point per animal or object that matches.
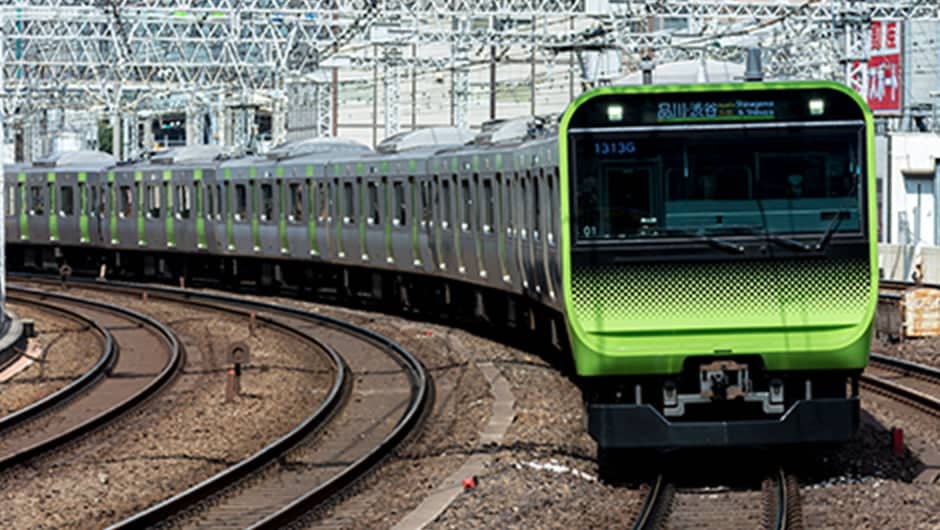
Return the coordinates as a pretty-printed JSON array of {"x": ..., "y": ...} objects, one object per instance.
[
  {"x": 69, "y": 350},
  {"x": 182, "y": 436}
]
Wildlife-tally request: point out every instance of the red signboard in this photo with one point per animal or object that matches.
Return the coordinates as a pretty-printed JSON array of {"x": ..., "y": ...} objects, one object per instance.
[{"x": 884, "y": 67}]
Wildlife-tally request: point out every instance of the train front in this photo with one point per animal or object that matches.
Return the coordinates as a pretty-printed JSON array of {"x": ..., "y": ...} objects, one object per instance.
[{"x": 719, "y": 261}]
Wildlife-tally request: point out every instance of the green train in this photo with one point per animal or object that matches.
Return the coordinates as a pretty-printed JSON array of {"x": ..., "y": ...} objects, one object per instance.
[
  {"x": 703, "y": 255},
  {"x": 720, "y": 268}
]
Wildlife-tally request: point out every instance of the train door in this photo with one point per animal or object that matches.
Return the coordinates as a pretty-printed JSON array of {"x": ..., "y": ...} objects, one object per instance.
[
  {"x": 489, "y": 239},
  {"x": 66, "y": 184},
  {"x": 520, "y": 229},
  {"x": 552, "y": 256},
  {"x": 437, "y": 223},
  {"x": 242, "y": 216},
  {"x": 267, "y": 214},
  {"x": 351, "y": 220},
  {"x": 300, "y": 238},
  {"x": 83, "y": 207},
  {"x": 537, "y": 184},
  {"x": 124, "y": 226},
  {"x": 37, "y": 207},
  {"x": 337, "y": 213},
  {"x": 10, "y": 207},
  {"x": 450, "y": 250},
  {"x": 401, "y": 238},
  {"x": 22, "y": 206},
  {"x": 98, "y": 210},
  {"x": 322, "y": 211},
  {"x": 210, "y": 210},
  {"x": 424, "y": 221},
  {"x": 501, "y": 226},
  {"x": 153, "y": 212},
  {"x": 185, "y": 212},
  {"x": 376, "y": 217},
  {"x": 468, "y": 237},
  {"x": 225, "y": 225}
]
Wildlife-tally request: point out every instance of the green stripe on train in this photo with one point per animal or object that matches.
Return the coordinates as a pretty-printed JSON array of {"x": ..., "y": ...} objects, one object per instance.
[{"x": 53, "y": 211}]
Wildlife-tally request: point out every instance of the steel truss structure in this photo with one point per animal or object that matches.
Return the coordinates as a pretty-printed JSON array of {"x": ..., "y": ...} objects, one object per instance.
[{"x": 224, "y": 58}]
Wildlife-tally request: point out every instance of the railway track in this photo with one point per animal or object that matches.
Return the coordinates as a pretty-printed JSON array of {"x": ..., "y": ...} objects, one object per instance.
[
  {"x": 380, "y": 395},
  {"x": 912, "y": 383},
  {"x": 104, "y": 342},
  {"x": 670, "y": 505},
  {"x": 140, "y": 357}
]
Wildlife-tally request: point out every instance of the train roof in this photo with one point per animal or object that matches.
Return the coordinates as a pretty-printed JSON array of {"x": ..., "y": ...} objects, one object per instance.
[
  {"x": 316, "y": 149},
  {"x": 427, "y": 139},
  {"x": 72, "y": 161}
]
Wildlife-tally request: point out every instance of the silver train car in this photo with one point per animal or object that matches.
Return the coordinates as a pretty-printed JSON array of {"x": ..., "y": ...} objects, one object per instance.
[{"x": 434, "y": 218}]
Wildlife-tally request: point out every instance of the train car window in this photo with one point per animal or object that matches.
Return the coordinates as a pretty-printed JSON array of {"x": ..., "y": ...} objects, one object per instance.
[
  {"x": 67, "y": 200},
  {"x": 183, "y": 201},
  {"x": 37, "y": 203},
  {"x": 489, "y": 206},
  {"x": 374, "y": 217},
  {"x": 466, "y": 202},
  {"x": 295, "y": 190},
  {"x": 241, "y": 202},
  {"x": 349, "y": 212},
  {"x": 445, "y": 204},
  {"x": 93, "y": 207},
  {"x": 218, "y": 201},
  {"x": 323, "y": 202},
  {"x": 126, "y": 201},
  {"x": 154, "y": 198},
  {"x": 401, "y": 206},
  {"x": 267, "y": 202}
]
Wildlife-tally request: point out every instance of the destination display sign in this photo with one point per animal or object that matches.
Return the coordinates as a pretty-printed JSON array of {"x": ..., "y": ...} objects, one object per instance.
[
  {"x": 703, "y": 107},
  {"x": 704, "y": 110}
]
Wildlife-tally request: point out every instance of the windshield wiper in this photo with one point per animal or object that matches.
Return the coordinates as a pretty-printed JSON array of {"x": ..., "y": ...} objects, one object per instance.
[
  {"x": 833, "y": 227},
  {"x": 720, "y": 244},
  {"x": 783, "y": 241}
]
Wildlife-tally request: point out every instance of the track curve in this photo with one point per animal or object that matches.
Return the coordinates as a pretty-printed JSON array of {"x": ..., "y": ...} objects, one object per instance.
[{"x": 136, "y": 374}]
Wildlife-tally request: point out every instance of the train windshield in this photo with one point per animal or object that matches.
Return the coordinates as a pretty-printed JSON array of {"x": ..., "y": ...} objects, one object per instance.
[{"x": 654, "y": 182}]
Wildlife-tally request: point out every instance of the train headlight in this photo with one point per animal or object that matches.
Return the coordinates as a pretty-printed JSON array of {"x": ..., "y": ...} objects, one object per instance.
[
  {"x": 817, "y": 107},
  {"x": 614, "y": 112}
]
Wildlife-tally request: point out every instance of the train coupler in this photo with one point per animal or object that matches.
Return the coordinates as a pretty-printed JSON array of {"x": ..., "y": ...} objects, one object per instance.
[{"x": 723, "y": 380}]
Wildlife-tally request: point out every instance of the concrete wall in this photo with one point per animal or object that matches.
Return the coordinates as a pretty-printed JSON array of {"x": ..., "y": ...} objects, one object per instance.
[{"x": 909, "y": 188}]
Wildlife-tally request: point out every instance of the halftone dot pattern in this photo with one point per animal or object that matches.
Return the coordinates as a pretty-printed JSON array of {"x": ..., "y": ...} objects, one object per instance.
[{"x": 658, "y": 296}]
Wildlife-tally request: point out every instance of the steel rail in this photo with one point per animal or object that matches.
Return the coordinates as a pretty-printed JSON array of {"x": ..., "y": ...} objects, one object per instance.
[
  {"x": 113, "y": 412},
  {"x": 780, "y": 509},
  {"x": 419, "y": 405},
  {"x": 104, "y": 364}
]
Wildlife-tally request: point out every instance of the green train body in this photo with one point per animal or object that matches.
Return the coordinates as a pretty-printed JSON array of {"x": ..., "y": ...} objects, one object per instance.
[{"x": 774, "y": 268}]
